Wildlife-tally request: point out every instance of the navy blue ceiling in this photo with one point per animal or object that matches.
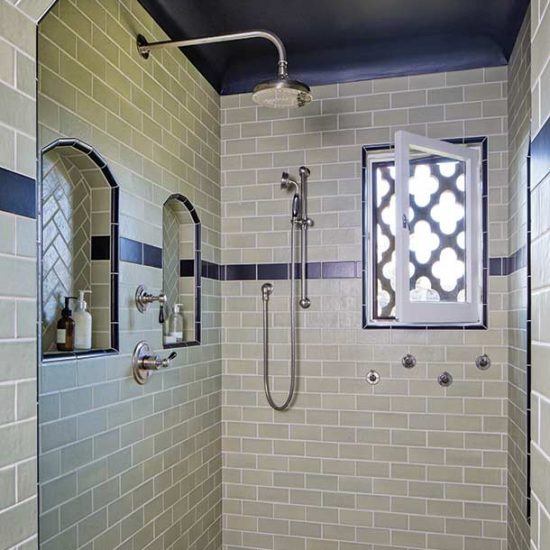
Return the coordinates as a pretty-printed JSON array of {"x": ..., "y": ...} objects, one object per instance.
[{"x": 342, "y": 40}]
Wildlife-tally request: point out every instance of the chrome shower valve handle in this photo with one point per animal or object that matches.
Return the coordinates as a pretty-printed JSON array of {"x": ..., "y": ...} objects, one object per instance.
[
  {"x": 144, "y": 298},
  {"x": 154, "y": 362},
  {"x": 144, "y": 362}
]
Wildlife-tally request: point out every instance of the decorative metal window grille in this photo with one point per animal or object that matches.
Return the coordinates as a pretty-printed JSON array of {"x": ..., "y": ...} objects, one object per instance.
[{"x": 437, "y": 232}]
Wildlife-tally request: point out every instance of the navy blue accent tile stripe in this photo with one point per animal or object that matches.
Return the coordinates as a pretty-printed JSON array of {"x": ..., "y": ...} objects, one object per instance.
[
  {"x": 510, "y": 264},
  {"x": 273, "y": 271},
  {"x": 339, "y": 270},
  {"x": 134, "y": 252},
  {"x": 495, "y": 266},
  {"x": 101, "y": 247},
  {"x": 131, "y": 251},
  {"x": 152, "y": 255},
  {"x": 313, "y": 270},
  {"x": 17, "y": 194},
  {"x": 211, "y": 271},
  {"x": 540, "y": 155},
  {"x": 140, "y": 253},
  {"x": 240, "y": 272}
]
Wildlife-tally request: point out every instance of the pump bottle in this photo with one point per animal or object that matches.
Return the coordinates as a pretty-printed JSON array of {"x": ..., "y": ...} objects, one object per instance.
[{"x": 83, "y": 323}]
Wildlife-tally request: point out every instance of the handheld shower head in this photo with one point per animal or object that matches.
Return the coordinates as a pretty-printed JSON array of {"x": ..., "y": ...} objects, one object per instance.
[{"x": 296, "y": 205}]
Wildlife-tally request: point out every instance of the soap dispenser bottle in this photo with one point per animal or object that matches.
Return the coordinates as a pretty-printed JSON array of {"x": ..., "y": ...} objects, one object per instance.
[
  {"x": 83, "y": 323},
  {"x": 65, "y": 328}
]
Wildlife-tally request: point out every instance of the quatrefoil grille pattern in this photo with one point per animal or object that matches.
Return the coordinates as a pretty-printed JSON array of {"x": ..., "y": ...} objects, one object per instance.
[{"x": 437, "y": 225}]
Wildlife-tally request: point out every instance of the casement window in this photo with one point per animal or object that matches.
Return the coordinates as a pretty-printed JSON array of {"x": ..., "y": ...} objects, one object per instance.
[{"x": 423, "y": 228}]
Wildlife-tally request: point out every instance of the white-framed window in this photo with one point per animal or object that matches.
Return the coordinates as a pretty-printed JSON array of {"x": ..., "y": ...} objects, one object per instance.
[{"x": 423, "y": 228}]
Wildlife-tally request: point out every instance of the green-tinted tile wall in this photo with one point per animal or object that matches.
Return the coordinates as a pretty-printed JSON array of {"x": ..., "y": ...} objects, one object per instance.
[{"x": 123, "y": 465}]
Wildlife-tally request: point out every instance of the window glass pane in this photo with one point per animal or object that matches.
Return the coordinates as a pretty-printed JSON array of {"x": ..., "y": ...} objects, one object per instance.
[
  {"x": 383, "y": 232},
  {"x": 437, "y": 228},
  {"x": 437, "y": 231}
]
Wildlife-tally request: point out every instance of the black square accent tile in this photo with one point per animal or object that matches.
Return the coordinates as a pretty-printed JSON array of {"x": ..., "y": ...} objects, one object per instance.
[
  {"x": 187, "y": 268},
  {"x": 101, "y": 247}
]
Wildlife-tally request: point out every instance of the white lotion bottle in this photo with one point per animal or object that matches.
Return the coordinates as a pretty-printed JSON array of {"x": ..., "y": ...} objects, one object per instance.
[{"x": 82, "y": 323}]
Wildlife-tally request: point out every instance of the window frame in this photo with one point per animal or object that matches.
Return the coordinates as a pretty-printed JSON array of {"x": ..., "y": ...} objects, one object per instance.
[
  {"x": 386, "y": 152},
  {"x": 467, "y": 312}
]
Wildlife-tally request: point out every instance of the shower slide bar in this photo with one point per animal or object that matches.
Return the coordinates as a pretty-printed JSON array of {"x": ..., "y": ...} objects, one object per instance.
[{"x": 299, "y": 221}]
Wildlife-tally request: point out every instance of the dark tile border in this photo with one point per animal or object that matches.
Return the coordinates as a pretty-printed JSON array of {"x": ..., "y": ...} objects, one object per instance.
[
  {"x": 17, "y": 194},
  {"x": 152, "y": 255},
  {"x": 529, "y": 325},
  {"x": 136, "y": 252},
  {"x": 131, "y": 251},
  {"x": 273, "y": 271},
  {"x": 510, "y": 264},
  {"x": 210, "y": 270},
  {"x": 240, "y": 272},
  {"x": 339, "y": 270}
]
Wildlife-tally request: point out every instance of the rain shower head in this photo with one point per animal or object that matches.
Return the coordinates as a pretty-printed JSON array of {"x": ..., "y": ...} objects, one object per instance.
[
  {"x": 282, "y": 93},
  {"x": 279, "y": 93}
]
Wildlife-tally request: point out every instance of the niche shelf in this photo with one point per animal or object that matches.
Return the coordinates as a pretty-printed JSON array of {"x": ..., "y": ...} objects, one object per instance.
[
  {"x": 181, "y": 270},
  {"x": 79, "y": 206}
]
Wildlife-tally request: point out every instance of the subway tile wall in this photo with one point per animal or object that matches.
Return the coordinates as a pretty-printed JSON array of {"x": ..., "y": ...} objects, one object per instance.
[
  {"x": 519, "y": 114},
  {"x": 540, "y": 295},
  {"x": 18, "y": 382},
  {"x": 540, "y": 66},
  {"x": 18, "y": 503},
  {"x": 121, "y": 465},
  {"x": 399, "y": 465}
]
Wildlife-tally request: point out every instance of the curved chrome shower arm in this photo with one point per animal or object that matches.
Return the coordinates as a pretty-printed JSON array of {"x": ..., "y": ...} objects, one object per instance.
[{"x": 145, "y": 47}]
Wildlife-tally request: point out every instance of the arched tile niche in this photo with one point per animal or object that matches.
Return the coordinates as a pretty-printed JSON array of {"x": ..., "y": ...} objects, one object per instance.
[{"x": 79, "y": 243}]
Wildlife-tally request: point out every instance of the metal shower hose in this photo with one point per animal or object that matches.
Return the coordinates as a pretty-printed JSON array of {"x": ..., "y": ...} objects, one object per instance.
[{"x": 266, "y": 291}]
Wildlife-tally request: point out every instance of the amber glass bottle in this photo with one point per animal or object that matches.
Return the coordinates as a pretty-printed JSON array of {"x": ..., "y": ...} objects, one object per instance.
[{"x": 65, "y": 328}]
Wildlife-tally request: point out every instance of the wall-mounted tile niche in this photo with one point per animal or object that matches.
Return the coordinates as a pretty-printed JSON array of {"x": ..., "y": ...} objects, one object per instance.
[
  {"x": 79, "y": 247},
  {"x": 181, "y": 272}
]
